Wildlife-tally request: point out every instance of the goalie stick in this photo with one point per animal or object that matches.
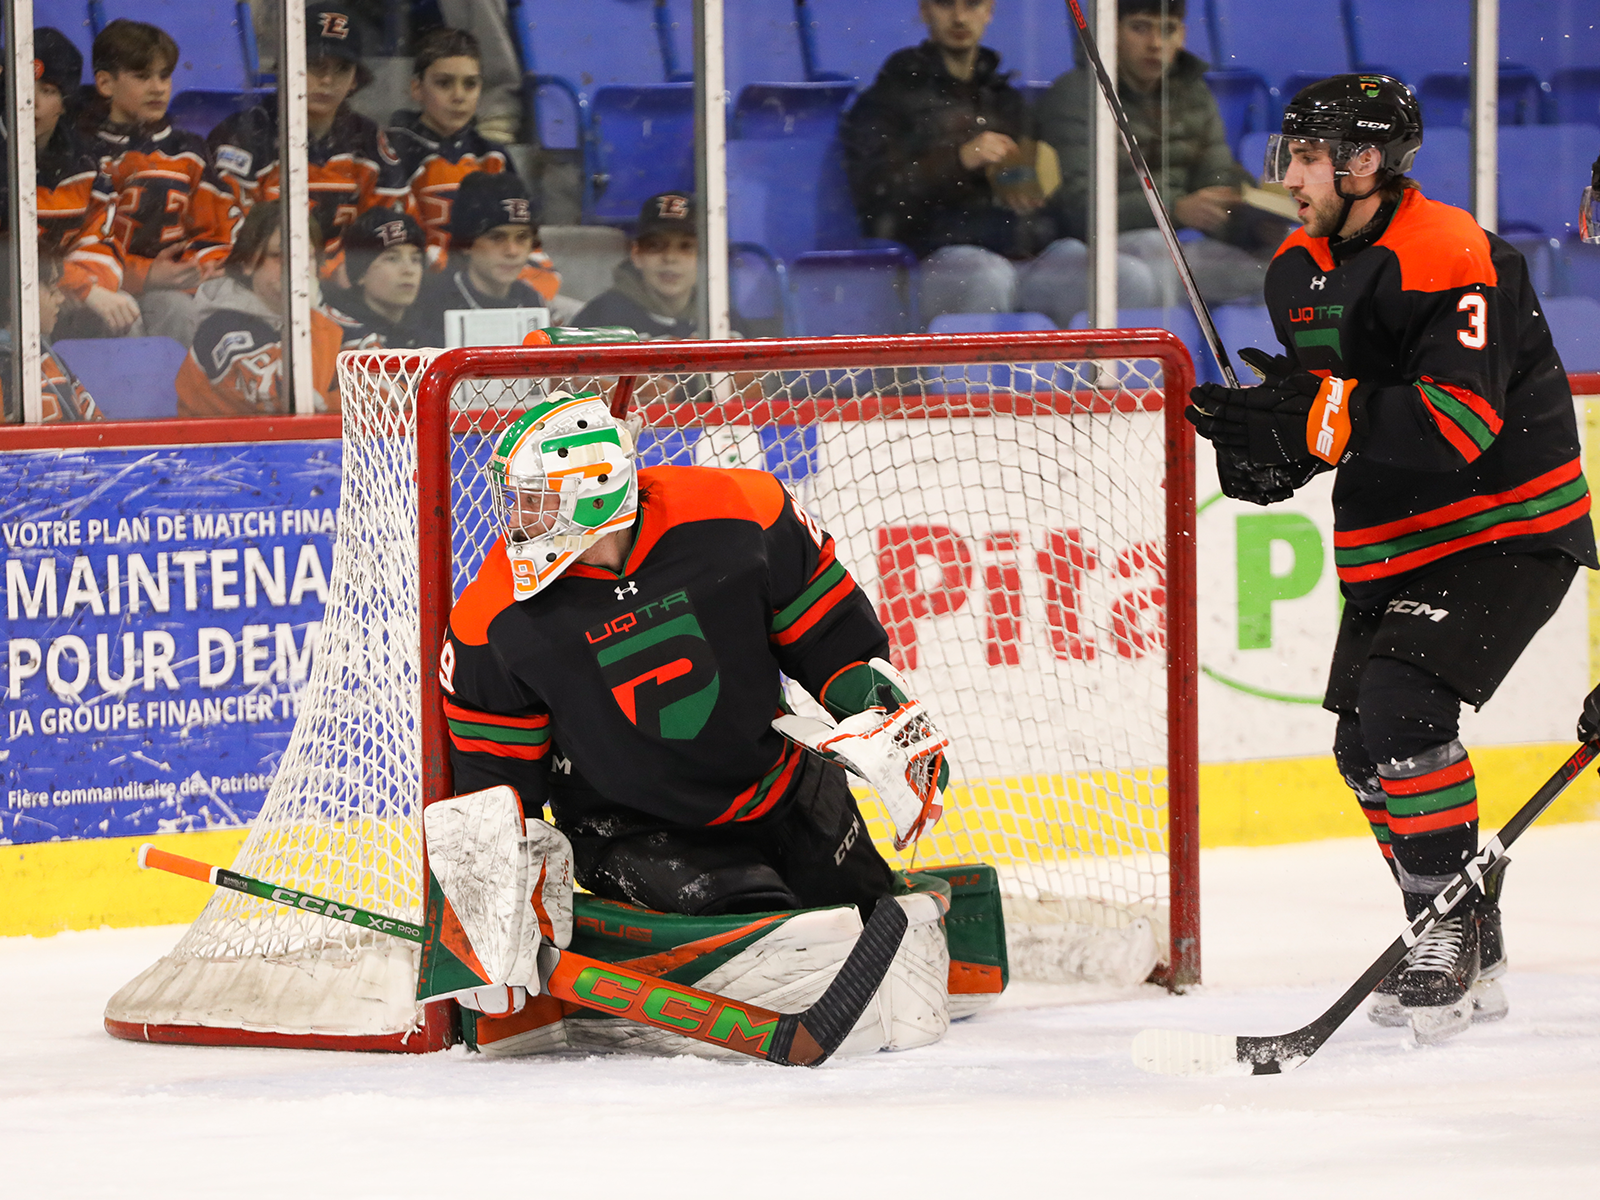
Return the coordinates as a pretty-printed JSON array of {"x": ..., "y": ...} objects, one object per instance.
[
  {"x": 804, "y": 1039},
  {"x": 1158, "y": 210},
  {"x": 1173, "y": 1052}
]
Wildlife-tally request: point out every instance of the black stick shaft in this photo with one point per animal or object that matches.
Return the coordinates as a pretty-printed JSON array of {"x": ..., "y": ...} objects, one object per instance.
[{"x": 1208, "y": 327}]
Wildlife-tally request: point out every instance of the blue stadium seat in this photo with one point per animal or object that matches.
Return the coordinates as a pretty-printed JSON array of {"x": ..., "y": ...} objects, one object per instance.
[
  {"x": 1281, "y": 40},
  {"x": 216, "y": 39},
  {"x": 1575, "y": 95},
  {"x": 1581, "y": 270},
  {"x": 1414, "y": 39},
  {"x": 761, "y": 44},
  {"x": 130, "y": 378},
  {"x": 72, "y": 18},
  {"x": 1036, "y": 38},
  {"x": 1548, "y": 35},
  {"x": 571, "y": 50},
  {"x": 1244, "y": 98},
  {"x": 853, "y": 292},
  {"x": 643, "y": 144},
  {"x": 789, "y": 110},
  {"x": 1022, "y": 376},
  {"x": 1444, "y": 166},
  {"x": 1543, "y": 169},
  {"x": 851, "y": 38},
  {"x": 202, "y": 111},
  {"x": 1180, "y": 321},
  {"x": 1241, "y": 325},
  {"x": 1575, "y": 326},
  {"x": 1012, "y": 322},
  {"x": 1447, "y": 99},
  {"x": 789, "y": 195},
  {"x": 758, "y": 285}
]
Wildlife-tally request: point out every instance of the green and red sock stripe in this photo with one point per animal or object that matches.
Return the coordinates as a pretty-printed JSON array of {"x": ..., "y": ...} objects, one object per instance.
[
  {"x": 1467, "y": 421},
  {"x": 1376, "y": 811},
  {"x": 492, "y": 733},
  {"x": 1433, "y": 801}
]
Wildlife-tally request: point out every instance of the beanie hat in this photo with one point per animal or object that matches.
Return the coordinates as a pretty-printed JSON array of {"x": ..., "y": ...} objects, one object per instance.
[
  {"x": 373, "y": 232},
  {"x": 1127, "y": 8},
  {"x": 56, "y": 60},
  {"x": 486, "y": 200},
  {"x": 332, "y": 32},
  {"x": 667, "y": 212}
]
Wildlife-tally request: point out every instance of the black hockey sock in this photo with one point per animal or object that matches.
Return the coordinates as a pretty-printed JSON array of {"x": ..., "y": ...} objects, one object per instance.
[{"x": 1359, "y": 773}]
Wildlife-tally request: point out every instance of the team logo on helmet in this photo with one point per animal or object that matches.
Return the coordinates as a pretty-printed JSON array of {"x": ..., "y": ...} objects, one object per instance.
[{"x": 335, "y": 26}]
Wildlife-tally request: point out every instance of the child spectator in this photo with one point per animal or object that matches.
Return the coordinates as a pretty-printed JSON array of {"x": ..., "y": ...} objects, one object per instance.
[
  {"x": 654, "y": 291},
  {"x": 63, "y": 396},
  {"x": 383, "y": 258},
  {"x": 349, "y": 165},
  {"x": 74, "y": 199},
  {"x": 167, "y": 219},
  {"x": 492, "y": 228},
  {"x": 235, "y": 367}
]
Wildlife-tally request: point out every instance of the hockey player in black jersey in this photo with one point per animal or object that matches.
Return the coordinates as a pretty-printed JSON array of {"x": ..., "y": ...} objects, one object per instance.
[
  {"x": 1418, "y": 364},
  {"x": 619, "y": 657}
]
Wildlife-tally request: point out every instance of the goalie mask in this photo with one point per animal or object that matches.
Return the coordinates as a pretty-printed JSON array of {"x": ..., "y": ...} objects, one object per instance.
[{"x": 562, "y": 477}]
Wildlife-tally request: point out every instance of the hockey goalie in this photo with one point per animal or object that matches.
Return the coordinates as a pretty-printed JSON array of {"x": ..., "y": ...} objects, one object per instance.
[{"x": 619, "y": 659}]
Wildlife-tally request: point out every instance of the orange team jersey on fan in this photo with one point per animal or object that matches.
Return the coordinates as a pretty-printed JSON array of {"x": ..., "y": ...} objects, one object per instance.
[
  {"x": 63, "y": 398},
  {"x": 163, "y": 198},
  {"x": 429, "y": 169},
  {"x": 235, "y": 367},
  {"x": 75, "y": 210},
  {"x": 350, "y": 167}
]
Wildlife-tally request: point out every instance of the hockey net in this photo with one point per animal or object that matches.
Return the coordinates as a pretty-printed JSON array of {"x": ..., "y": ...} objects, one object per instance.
[{"x": 1020, "y": 509}]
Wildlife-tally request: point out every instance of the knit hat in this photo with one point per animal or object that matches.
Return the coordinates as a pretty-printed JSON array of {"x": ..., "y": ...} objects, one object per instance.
[
  {"x": 1128, "y": 8},
  {"x": 56, "y": 60},
  {"x": 332, "y": 32},
  {"x": 373, "y": 232},
  {"x": 486, "y": 200},
  {"x": 667, "y": 212}
]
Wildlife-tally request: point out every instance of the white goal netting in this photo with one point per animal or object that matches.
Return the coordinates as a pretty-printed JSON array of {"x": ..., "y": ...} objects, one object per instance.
[{"x": 1008, "y": 519}]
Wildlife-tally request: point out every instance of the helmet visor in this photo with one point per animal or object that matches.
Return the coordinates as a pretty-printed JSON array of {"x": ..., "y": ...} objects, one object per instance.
[
  {"x": 1589, "y": 216},
  {"x": 1345, "y": 157}
]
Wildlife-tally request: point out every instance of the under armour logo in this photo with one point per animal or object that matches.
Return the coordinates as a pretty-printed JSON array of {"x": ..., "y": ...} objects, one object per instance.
[
  {"x": 335, "y": 26},
  {"x": 631, "y": 590},
  {"x": 1320, "y": 282}
]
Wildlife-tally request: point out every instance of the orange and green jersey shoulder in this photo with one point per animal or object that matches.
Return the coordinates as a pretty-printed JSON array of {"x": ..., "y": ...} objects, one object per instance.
[
  {"x": 654, "y": 688},
  {"x": 1471, "y": 442}
]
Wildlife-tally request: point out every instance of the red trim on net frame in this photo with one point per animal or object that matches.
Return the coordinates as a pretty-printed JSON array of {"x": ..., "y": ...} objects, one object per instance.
[{"x": 628, "y": 361}]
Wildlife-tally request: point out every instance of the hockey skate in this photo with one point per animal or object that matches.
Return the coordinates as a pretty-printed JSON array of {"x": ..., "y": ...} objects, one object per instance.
[
  {"x": 1385, "y": 1008},
  {"x": 1436, "y": 985},
  {"x": 1489, "y": 1001}
]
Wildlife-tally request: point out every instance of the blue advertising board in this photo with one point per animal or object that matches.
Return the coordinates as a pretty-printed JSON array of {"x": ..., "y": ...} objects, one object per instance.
[{"x": 162, "y": 609}]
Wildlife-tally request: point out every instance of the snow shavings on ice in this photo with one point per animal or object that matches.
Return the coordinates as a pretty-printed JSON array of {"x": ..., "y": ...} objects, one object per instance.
[{"x": 1036, "y": 1097}]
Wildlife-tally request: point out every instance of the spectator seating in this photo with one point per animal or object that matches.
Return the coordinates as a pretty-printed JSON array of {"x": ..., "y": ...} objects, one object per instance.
[
  {"x": 851, "y": 38},
  {"x": 1580, "y": 268},
  {"x": 1548, "y": 35},
  {"x": 129, "y": 378},
  {"x": 789, "y": 110},
  {"x": 758, "y": 285},
  {"x": 1241, "y": 325},
  {"x": 1575, "y": 95},
  {"x": 71, "y": 17},
  {"x": 1446, "y": 99},
  {"x": 1281, "y": 41},
  {"x": 762, "y": 43},
  {"x": 1021, "y": 376},
  {"x": 1414, "y": 39},
  {"x": 1245, "y": 101},
  {"x": 643, "y": 143},
  {"x": 1543, "y": 170},
  {"x": 789, "y": 195},
  {"x": 1575, "y": 326},
  {"x": 853, "y": 292},
  {"x": 1011, "y": 322},
  {"x": 1179, "y": 320},
  {"x": 216, "y": 39},
  {"x": 1036, "y": 39}
]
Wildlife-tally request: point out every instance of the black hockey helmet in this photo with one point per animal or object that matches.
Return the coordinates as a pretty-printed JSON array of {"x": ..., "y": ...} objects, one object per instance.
[{"x": 1356, "y": 111}]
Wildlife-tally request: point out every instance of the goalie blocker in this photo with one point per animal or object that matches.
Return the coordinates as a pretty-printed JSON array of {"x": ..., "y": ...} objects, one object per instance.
[{"x": 502, "y": 889}]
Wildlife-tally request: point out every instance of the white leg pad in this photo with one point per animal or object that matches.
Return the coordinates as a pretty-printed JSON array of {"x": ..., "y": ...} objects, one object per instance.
[{"x": 915, "y": 995}]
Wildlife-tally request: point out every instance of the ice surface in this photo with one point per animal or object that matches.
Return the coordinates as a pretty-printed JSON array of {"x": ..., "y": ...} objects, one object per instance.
[{"x": 1036, "y": 1097}]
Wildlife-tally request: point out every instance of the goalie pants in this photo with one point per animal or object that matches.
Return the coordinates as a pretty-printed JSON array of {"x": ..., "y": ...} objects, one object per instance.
[
  {"x": 1400, "y": 671},
  {"x": 812, "y": 853}
]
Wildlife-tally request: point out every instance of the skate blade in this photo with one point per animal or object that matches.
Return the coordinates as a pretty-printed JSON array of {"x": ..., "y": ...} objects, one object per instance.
[
  {"x": 1489, "y": 1001},
  {"x": 1388, "y": 1012},
  {"x": 1174, "y": 1052},
  {"x": 1433, "y": 1025}
]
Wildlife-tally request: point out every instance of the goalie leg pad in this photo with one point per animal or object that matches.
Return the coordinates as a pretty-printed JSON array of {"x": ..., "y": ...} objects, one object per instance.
[
  {"x": 915, "y": 995},
  {"x": 975, "y": 930}
]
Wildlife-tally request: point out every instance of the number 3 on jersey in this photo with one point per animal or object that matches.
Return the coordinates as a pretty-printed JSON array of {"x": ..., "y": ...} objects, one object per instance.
[{"x": 1475, "y": 336}]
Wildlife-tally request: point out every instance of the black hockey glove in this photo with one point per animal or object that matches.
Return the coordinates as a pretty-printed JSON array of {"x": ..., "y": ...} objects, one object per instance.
[
  {"x": 1302, "y": 421},
  {"x": 1256, "y": 485},
  {"x": 1589, "y": 722},
  {"x": 1273, "y": 368}
]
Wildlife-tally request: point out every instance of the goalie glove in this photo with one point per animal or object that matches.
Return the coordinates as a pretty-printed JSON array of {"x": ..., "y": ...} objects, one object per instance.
[{"x": 892, "y": 744}]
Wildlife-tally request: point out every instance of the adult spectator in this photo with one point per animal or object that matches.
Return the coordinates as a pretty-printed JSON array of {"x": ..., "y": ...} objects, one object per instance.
[
  {"x": 941, "y": 157},
  {"x": 1175, "y": 120}
]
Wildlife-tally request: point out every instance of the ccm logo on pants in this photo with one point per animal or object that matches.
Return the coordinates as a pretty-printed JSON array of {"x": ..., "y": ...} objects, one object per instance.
[{"x": 1419, "y": 609}]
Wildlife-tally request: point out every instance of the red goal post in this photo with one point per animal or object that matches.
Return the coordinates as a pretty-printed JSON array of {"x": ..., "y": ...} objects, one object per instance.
[{"x": 633, "y": 367}]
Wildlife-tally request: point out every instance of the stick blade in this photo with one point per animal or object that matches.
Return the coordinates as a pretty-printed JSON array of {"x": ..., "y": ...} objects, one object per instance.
[{"x": 1177, "y": 1052}]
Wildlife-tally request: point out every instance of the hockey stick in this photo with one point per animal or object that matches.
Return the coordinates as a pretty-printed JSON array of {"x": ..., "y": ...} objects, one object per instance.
[
  {"x": 1172, "y": 1052},
  {"x": 1158, "y": 210},
  {"x": 804, "y": 1039}
]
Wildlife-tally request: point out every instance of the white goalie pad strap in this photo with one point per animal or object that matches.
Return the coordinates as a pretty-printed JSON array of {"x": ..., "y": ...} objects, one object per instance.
[
  {"x": 899, "y": 753},
  {"x": 509, "y": 883},
  {"x": 496, "y": 1000}
]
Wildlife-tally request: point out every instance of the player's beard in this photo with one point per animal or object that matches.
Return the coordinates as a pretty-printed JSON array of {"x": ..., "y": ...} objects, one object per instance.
[{"x": 1322, "y": 220}]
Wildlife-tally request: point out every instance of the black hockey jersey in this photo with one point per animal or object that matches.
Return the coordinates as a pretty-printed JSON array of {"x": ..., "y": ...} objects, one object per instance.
[
  {"x": 430, "y": 168},
  {"x": 1471, "y": 444},
  {"x": 657, "y": 686},
  {"x": 364, "y": 327}
]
